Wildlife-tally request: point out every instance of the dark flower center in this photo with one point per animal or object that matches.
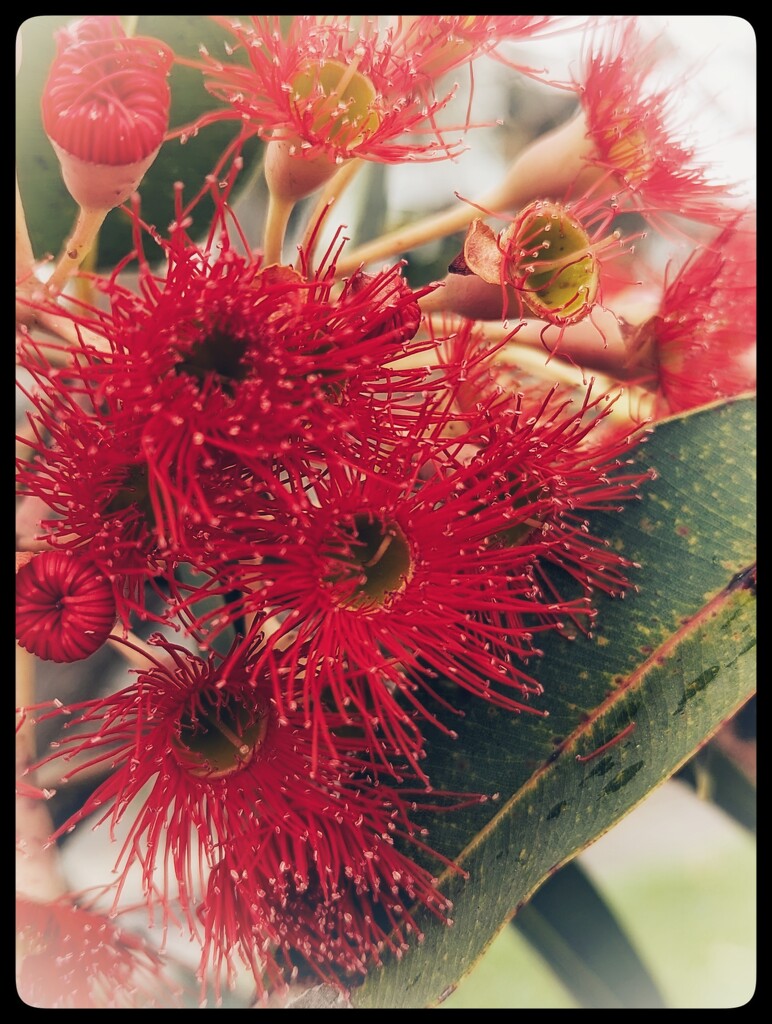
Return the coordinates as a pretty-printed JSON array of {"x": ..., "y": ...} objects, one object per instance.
[
  {"x": 218, "y": 738},
  {"x": 376, "y": 563},
  {"x": 134, "y": 491},
  {"x": 218, "y": 355}
]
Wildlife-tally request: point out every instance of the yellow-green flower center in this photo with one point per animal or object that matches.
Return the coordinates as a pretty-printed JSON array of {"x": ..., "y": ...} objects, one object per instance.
[
  {"x": 373, "y": 564},
  {"x": 553, "y": 262},
  {"x": 341, "y": 102}
]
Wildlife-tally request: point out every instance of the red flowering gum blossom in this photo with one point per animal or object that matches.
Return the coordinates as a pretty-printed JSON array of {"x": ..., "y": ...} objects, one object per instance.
[
  {"x": 336, "y": 937},
  {"x": 323, "y": 93},
  {"x": 65, "y": 607},
  {"x": 105, "y": 108},
  {"x": 212, "y": 386},
  {"x": 700, "y": 345},
  {"x": 638, "y": 140},
  {"x": 423, "y": 563},
  {"x": 201, "y": 764},
  {"x": 73, "y": 958}
]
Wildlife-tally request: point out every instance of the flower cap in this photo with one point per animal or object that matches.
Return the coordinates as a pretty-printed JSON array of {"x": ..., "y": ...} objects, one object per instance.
[
  {"x": 105, "y": 108},
  {"x": 65, "y": 607}
]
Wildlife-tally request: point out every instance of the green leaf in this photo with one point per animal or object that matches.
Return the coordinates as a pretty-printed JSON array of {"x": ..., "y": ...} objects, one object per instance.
[
  {"x": 676, "y": 658},
  {"x": 569, "y": 923},
  {"x": 48, "y": 206}
]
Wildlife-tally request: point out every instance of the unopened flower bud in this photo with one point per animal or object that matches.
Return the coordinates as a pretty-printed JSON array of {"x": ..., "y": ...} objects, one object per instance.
[
  {"x": 106, "y": 108},
  {"x": 65, "y": 607}
]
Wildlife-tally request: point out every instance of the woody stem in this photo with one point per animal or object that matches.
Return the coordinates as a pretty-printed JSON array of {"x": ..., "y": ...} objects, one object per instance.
[
  {"x": 38, "y": 870},
  {"x": 330, "y": 195},
  {"x": 86, "y": 230},
  {"x": 277, "y": 218},
  {"x": 564, "y": 152}
]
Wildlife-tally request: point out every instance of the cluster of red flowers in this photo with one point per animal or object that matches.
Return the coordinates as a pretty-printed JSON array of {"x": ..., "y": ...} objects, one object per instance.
[{"x": 327, "y": 491}]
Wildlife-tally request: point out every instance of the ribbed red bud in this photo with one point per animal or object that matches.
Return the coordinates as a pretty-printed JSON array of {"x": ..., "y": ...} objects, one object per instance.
[
  {"x": 105, "y": 108},
  {"x": 65, "y": 607}
]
